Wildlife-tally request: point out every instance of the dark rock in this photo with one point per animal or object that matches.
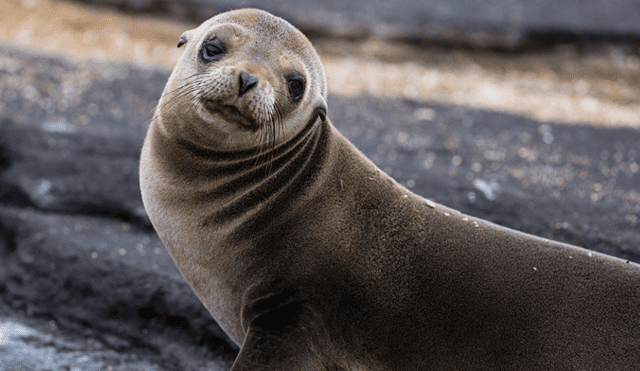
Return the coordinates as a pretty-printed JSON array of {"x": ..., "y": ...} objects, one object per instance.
[
  {"x": 72, "y": 173},
  {"x": 49, "y": 274}
]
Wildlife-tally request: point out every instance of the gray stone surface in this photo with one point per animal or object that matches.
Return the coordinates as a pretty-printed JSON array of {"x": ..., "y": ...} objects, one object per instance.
[
  {"x": 26, "y": 348},
  {"x": 76, "y": 247},
  {"x": 494, "y": 23}
]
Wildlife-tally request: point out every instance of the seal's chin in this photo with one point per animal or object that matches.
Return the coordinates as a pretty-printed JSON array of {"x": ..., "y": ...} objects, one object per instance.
[{"x": 232, "y": 115}]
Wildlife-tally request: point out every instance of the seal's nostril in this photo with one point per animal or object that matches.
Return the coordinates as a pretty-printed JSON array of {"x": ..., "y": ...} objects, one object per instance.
[{"x": 247, "y": 82}]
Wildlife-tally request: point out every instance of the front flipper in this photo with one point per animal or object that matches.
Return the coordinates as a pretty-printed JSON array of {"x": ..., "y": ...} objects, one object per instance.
[{"x": 282, "y": 339}]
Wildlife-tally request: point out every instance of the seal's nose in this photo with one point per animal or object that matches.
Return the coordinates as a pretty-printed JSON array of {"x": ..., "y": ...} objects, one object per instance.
[{"x": 247, "y": 82}]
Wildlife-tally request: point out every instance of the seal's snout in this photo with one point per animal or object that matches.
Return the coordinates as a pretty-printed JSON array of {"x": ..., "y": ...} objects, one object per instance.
[{"x": 247, "y": 82}]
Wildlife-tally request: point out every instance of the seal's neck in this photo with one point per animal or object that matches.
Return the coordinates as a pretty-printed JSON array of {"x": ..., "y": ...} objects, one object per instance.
[{"x": 248, "y": 186}]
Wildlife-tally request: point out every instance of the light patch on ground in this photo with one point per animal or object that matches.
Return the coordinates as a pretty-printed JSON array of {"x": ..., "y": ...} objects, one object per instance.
[
  {"x": 563, "y": 85},
  {"x": 474, "y": 87},
  {"x": 599, "y": 87},
  {"x": 85, "y": 32},
  {"x": 24, "y": 348}
]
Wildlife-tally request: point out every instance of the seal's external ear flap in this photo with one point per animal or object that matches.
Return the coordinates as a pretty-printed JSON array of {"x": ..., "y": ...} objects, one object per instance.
[
  {"x": 322, "y": 112},
  {"x": 184, "y": 38}
]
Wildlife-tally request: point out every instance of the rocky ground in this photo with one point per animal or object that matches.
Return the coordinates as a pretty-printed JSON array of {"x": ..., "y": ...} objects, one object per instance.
[{"x": 85, "y": 284}]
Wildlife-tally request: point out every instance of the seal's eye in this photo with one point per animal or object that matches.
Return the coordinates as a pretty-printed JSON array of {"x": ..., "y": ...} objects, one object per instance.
[
  {"x": 295, "y": 82},
  {"x": 212, "y": 50}
]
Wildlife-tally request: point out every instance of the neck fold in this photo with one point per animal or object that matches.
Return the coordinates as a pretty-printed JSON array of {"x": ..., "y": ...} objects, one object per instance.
[{"x": 251, "y": 185}]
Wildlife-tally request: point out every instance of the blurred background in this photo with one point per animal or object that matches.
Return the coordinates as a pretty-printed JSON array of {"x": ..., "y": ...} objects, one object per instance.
[{"x": 525, "y": 113}]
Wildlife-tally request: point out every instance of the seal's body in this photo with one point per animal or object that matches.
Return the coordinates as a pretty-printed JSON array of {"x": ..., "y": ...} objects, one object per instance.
[{"x": 311, "y": 258}]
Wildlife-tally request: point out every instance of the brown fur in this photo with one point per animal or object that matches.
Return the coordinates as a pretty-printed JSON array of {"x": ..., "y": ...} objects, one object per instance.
[{"x": 312, "y": 258}]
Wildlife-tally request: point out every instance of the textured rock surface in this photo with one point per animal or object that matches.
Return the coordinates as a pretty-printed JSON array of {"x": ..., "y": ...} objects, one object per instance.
[{"x": 76, "y": 247}]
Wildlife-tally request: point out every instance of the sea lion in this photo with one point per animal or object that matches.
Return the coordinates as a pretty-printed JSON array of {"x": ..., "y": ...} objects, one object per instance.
[{"x": 311, "y": 258}]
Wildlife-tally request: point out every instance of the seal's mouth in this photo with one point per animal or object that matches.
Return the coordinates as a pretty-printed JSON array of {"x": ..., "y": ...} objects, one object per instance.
[{"x": 232, "y": 114}]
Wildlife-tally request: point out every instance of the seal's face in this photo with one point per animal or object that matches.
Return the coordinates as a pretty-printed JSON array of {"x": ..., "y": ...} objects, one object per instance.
[{"x": 245, "y": 79}]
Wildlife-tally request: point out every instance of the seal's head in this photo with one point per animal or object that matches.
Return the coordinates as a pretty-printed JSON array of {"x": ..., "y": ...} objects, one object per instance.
[{"x": 245, "y": 79}]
